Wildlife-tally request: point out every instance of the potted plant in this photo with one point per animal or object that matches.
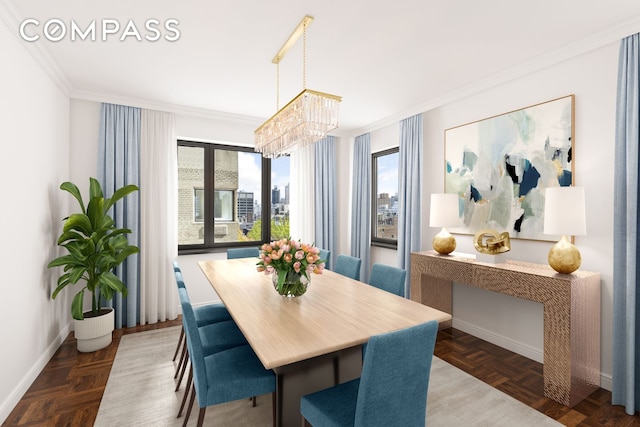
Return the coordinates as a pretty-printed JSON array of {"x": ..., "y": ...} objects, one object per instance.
[{"x": 95, "y": 248}]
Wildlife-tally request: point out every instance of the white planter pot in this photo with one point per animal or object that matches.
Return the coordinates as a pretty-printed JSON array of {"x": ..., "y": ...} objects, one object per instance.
[{"x": 94, "y": 333}]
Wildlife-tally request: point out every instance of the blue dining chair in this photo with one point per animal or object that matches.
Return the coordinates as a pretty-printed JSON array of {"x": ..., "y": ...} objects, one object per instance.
[
  {"x": 325, "y": 255},
  {"x": 223, "y": 376},
  {"x": 234, "y": 253},
  {"x": 388, "y": 278},
  {"x": 392, "y": 389},
  {"x": 205, "y": 315},
  {"x": 348, "y": 266},
  {"x": 215, "y": 337}
]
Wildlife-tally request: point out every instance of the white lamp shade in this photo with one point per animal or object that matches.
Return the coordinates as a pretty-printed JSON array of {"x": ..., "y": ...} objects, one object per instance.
[
  {"x": 564, "y": 211},
  {"x": 444, "y": 210}
]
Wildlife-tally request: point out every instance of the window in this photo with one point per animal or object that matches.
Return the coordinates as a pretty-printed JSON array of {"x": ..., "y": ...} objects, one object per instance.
[
  {"x": 221, "y": 193},
  {"x": 198, "y": 207},
  {"x": 280, "y": 198},
  {"x": 384, "y": 210},
  {"x": 223, "y": 205}
]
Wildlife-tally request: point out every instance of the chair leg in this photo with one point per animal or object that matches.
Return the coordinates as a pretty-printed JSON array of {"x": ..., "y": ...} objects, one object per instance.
[
  {"x": 178, "y": 346},
  {"x": 184, "y": 368},
  {"x": 253, "y": 399},
  {"x": 201, "y": 416},
  {"x": 186, "y": 390},
  {"x": 182, "y": 358},
  {"x": 273, "y": 408},
  {"x": 193, "y": 397}
]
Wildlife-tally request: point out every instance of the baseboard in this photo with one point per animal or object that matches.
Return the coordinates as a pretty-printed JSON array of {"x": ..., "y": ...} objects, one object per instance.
[
  {"x": 500, "y": 340},
  {"x": 14, "y": 397},
  {"x": 606, "y": 381}
]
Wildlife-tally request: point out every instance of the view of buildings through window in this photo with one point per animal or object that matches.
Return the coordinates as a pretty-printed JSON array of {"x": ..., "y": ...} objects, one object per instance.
[
  {"x": 385, "y": 187},
  {"x": 226, "y": 184}
]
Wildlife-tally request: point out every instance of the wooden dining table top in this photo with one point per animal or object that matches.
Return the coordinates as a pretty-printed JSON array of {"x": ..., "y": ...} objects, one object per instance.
[{"x": 335, "y": 313}]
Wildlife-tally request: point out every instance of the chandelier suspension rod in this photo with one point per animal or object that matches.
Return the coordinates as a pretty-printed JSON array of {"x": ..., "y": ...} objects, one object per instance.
[
  {"x": 293, "y": 38},
  {"x": 304, "y": 54}
]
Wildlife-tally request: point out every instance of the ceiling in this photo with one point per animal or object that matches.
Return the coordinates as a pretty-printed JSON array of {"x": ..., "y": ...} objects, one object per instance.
[{"x": 384, "y": 58}]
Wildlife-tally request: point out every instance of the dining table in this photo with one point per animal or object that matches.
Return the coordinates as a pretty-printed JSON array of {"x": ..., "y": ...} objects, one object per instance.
[{"x": 313, "y": 341}]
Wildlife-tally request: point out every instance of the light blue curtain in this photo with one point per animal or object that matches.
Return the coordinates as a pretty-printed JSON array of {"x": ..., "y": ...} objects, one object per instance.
[
  {"x": 626, "y": 318},
  {"x": 325, "y": 195},
  {"x": 361, "y": 204},
  {"x": 410, "y": 193},
  {"x": 119, "y": 165}
]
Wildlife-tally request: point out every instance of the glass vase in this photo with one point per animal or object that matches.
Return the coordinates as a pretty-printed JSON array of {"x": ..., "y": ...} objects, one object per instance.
[{"x": 294, "y": 285}]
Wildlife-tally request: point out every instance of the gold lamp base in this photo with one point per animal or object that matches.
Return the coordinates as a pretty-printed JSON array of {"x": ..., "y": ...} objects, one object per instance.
[
  {"x": 444, "y": 243},
  {"x": 564, "y": 257}
]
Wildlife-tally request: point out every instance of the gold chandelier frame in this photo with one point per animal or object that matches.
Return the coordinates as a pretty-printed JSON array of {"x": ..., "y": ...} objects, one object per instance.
[{"x": 304, "y": 120}]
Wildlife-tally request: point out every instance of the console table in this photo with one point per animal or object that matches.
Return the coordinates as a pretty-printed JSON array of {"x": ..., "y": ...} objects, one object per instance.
[{"x": 571, "y": 303}]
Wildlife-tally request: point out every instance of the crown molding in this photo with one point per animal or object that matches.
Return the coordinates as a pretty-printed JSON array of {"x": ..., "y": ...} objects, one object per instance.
[
  {"x": 12, "y": 17},
  {"x": 181, "y": 109},
  {"x": 167, "y": 107},
  {"x": 588, "y": 44}
]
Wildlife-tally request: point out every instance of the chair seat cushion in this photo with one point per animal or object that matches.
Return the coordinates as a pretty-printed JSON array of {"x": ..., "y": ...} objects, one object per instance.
[
  {"x": 220, "y": 336},
  {"x": 335, "y": 406},
  {"x": 235, "y": 374},
  {"x": 211, "y": 313}
]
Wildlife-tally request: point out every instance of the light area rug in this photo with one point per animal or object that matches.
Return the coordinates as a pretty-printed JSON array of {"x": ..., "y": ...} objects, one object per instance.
[{"x": 140, "y": 392}]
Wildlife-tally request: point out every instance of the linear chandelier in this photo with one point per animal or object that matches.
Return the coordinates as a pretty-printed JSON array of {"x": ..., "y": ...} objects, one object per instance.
[{"x": 305, "y": 119}]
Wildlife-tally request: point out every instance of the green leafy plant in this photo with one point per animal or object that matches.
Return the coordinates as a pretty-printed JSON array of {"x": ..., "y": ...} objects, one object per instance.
[{"x": 95, "y": 248}]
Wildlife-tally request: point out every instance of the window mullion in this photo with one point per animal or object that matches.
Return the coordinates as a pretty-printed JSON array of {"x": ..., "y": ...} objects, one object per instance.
[
  {"x": 209, "y": 185},
  {"x": 266, "y": 200}
]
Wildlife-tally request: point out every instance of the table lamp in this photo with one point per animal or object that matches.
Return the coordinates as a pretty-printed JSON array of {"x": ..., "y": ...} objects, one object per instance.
[
  {"x": 564, "y": 214},
  {"x": 444, "y": 213}
]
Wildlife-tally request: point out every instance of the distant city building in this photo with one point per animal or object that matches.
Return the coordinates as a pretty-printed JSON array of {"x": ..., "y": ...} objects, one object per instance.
[
  {"x": 275, "y": 195},
  {"x": 387, "y": 216},
  {"x": 286, "y": 194},
  {"x": 246, "y": 213},
  {"x": 384, "y": 201}
]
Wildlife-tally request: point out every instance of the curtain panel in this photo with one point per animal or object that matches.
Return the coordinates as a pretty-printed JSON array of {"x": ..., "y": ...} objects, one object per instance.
[
  {"x": 139, "y": 147},
  {"x": 410, "y": 194},
  {"x": 159, "y": 211},
  {"x": 301, "y": 188},
  {"x": 626, "y": 300},
  {"x": 119, "y": 165},
  {"x": 361, "y": 204},
  {"x": 325, "y": 195}
]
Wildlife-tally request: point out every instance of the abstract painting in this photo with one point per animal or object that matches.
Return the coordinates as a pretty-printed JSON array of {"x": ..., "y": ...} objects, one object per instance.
[{"x": 501, "y": 166}]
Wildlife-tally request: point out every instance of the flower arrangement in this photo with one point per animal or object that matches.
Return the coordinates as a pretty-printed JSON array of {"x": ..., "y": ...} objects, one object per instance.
[{"x": 289, "y": 261}]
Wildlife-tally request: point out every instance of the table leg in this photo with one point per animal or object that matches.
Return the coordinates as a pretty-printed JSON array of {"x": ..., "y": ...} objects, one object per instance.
[{"x": 307, "y": 376}]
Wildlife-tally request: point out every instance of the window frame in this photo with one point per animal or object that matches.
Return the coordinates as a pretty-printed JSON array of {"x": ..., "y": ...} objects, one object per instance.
[
  {"x": 209, "y": 245},
  {"x": 378, "y": 241}
]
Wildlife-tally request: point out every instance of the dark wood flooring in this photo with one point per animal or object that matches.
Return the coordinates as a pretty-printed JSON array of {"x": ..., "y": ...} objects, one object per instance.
[{"x": 69, "y": 389}]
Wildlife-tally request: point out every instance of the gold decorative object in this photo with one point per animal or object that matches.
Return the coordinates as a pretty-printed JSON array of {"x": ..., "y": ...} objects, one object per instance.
[
  {"x": 564, "y": 257},
  {"x": 306, "y": 119},
  {"x": 491, "y": 242},
  {"x": 443, "y": 242}
]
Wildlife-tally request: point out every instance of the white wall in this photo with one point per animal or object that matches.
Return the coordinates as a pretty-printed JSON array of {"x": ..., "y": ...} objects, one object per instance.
[
  {"x": 34, "y": 161},
  {"x": 513, "y": 323}
]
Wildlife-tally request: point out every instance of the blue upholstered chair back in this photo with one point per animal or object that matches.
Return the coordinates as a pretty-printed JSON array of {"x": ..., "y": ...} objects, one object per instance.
[
  {"x": 178, "y": 273},
  {"x": 390, "y": 279},
  {"x": 326, "y": 256},
  {"x": 348, "y": 266},
  {"x": 243, "y": 253},
  {"x": 195, "y": 347},
  {"x": 395, "y": 377}
]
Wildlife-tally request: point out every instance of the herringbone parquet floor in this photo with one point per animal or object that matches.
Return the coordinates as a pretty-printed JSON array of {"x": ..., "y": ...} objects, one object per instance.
[{"x": 69, "y": 389}]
